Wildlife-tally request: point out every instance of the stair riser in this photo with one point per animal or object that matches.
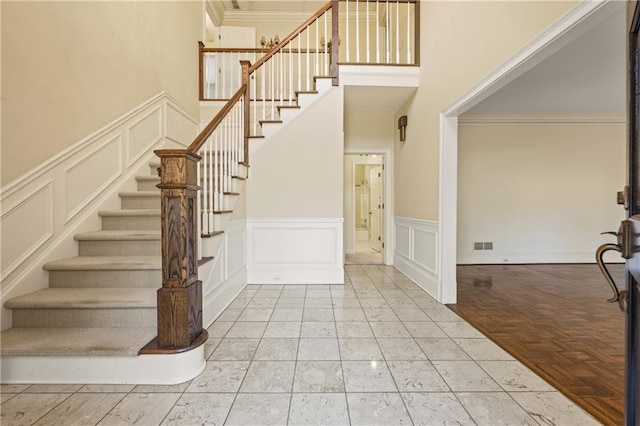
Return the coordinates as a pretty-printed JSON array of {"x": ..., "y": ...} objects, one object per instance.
[
  {"x": 141, "y": 202},
  {"x": 113, "y": 317},
  {"x": 98, "y": 279},
  {"x": 148, "y": 185},
  {"x": 130, "y": 223},
  {"x": 120, "y": 248},
  {"x": 228, "y": 202}
]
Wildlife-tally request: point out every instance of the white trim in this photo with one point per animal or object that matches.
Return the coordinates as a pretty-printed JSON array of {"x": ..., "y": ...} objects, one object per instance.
[
  {"x": 388, "y": 195},
  {"x": 567, "y": 28},
  {"x": 409, "y": 253},
  {"x": 142, "y": 369},
  {"x": 295, "y": 251},
  {"x": 536, "y": 120},
  {"x": 379, "y": 75}
]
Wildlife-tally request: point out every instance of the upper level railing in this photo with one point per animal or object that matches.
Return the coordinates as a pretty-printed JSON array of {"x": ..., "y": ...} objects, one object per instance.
[
  {"x": 193, "y": 192},
  {"x": 372, "y": 32}
]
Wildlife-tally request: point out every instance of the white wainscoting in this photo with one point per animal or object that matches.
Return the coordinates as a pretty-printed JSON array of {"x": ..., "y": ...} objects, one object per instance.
[
  {"x": 226, "y": 274},
  {"x": 43, "y": 209},
  {"x": 295, "y": 251},
  {"x": 415, "y": 251}
]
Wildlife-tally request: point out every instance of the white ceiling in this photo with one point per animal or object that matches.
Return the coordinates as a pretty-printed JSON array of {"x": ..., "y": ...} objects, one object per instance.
[
  {"x": 373, "y": 100},
  {"x": 587, "y": 77}
]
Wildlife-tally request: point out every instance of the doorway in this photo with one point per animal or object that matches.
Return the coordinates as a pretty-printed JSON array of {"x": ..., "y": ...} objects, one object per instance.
[{"x": 364, "y": 209}]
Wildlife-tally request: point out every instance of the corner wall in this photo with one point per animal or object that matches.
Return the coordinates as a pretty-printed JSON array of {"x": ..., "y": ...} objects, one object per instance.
[
  {"x": 294, "y": 199},
  {"x": 542, "y": 193}
]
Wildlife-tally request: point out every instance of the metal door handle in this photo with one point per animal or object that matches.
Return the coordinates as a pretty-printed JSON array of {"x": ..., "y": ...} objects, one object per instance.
[{"x": 618, "y": 296}]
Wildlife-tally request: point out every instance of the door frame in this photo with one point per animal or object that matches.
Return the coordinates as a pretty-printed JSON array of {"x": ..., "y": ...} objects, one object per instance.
[
  {"x": 569, "y": 27},
  {"x": 387, "y": 195}
]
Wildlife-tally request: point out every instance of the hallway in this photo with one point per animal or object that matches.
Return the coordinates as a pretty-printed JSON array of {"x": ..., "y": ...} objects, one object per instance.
[{"x": 377, "y": 350}]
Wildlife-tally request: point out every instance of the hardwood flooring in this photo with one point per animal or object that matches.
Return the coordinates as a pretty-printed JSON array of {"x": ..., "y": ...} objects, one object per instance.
[{"x": 554, "y": 319}]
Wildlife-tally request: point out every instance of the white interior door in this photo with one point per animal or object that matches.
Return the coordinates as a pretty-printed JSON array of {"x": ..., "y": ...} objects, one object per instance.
[{"x": 375, "y": 208}]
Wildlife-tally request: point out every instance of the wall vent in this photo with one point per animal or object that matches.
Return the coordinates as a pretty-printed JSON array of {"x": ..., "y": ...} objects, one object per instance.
[{"x": 488, "y": 245}]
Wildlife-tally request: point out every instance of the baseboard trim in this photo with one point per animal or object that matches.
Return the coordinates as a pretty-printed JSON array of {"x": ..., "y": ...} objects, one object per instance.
[
  {"x": 142, "y": 369},
  {"x": 419, "y": 275}
]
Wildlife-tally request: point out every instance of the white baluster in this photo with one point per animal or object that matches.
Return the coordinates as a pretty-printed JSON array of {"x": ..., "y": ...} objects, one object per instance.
[
  {"x": 326, "y": 41},
  {"x": 357, "y": 31},
  {"x": 299, "y": 63},
  {"x": 317, "y": 46},
  {"x": 290, "y": 75},
  {"x": 210, "y": 178},
  {"x": 264, "y": 90},
  {"x": 377, "y": 32},
  {"x": 308, "y": 71},
  {"x": 397, "y": 32},
  {"x": 408, "y": 33},
  {"x": 368, "y": 36},
  {"x": 347, "y": 18},
  {"x": 388, "y": 38}
]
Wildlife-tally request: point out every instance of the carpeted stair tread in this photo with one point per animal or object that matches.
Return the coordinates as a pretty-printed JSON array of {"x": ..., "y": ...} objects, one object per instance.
[
  {"x": 145, "y": 178},
  {"x": 102, "y": 263},
  {"x": 124, "y": 235},
  {"x": 83, "y": 298},
  {"x": 67, "y": 341},
  {"x": 130, "y": 212}
]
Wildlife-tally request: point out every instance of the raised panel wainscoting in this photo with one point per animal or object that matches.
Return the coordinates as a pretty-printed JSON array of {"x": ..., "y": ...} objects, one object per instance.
[
  {"x": 225, "y": 277},
  {"x": 415, "y": 251},
  {"x": 295, "y": 251},
  {"x": 61, "y": 197}
]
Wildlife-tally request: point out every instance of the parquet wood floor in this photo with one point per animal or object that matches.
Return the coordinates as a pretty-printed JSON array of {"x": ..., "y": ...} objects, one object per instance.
[{"x": 554, "y": 319}]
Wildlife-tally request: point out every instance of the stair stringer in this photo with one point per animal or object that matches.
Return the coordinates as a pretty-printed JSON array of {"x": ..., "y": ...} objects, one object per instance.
[{"x": 323, "y": 87}]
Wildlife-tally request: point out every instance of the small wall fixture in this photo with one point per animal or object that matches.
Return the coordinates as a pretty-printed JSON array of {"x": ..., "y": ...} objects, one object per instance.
[
  {"x": 273, "y": 42},
  {"x": 402, "y": 125}
]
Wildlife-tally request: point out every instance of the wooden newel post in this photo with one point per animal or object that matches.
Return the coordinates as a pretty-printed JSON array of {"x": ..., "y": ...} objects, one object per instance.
[
  {"x": 180, "y": 298},
  {"x": 335, "y": 40},
  {"x": 247, "y": 107}
]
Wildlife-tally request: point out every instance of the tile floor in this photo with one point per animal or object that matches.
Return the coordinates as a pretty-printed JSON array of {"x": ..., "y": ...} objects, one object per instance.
[{"x": 376, "y": 351}]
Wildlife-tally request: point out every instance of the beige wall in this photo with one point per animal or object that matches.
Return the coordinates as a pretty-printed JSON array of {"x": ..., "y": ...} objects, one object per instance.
[
  {"x": 298, "y": 173},
  {"x": 72, "y": 67},
  {"x": 368, "y": 131},
  {"x": 540, "y": 193},
  {"x": 461, "y": 42}
]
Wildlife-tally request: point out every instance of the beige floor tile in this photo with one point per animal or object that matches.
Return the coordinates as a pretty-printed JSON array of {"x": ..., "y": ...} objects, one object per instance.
[
  {"x": 26, "y": 409},
  {"x": 82, "y": 409},
  {"x": 141, "y": 408}
]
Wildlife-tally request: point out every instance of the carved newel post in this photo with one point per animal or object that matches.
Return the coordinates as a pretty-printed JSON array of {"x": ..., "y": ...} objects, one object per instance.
[{"x": 180, "y": 298}]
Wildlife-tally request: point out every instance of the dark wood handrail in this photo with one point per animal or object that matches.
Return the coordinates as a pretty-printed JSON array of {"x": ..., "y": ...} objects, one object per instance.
[
  {"x": 215, "y": 122},
  {"x": 235, "y": 50},
  {"x": 381, "y": 1},
  {"x": 291, "y": 36}
]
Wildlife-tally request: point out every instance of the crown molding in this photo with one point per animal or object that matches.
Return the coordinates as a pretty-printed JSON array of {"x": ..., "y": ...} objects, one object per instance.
[
  {"x": 216, "y": 12},
  {"x": 247, "y": 16},
  {"x": 542, "y": 120}
]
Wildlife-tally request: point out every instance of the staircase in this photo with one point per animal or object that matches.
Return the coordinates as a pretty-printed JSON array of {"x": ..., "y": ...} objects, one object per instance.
[
  {"x": 103, "y": 301},
  {"x": 106, "y": 311}
]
